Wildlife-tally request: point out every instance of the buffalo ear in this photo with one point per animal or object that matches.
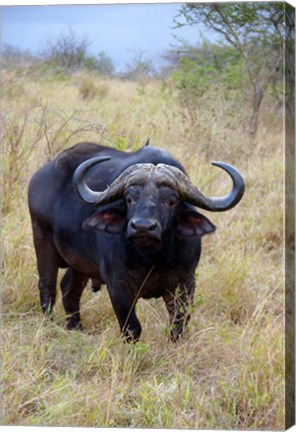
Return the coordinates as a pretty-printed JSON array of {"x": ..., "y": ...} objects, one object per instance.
[
  {"x": 109, "y": 221},
  {"x": 193, "y": 223}
]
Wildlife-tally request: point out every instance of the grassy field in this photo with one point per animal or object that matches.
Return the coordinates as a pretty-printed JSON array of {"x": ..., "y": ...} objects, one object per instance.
[{"x": 228, "y": 371}]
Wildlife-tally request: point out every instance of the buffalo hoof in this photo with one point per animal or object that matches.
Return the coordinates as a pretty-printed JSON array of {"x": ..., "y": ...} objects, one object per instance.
[
  {"x": 176, "y": 335},
  {"x": 74, "y": 324},
  {"x": 131, "y": 336}
]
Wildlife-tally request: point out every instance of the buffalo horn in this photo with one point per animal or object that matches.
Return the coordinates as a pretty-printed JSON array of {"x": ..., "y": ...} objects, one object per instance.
[
  {"x": 176, "y": 179},
  {"x": 162, "y": 174},
  {"x": 135, "y": 174},
  {"x": 83, "y": 191}
]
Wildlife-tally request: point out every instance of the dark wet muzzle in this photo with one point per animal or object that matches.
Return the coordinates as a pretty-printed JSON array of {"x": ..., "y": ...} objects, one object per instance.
[{"x": 144, "y": 228}]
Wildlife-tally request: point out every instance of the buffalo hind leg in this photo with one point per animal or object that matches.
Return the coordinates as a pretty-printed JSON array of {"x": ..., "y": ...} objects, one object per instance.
[
  {"x": 177, "y": 304},
  {"x": 48, "y": 262},
  {"x": 72, "y": 285}
]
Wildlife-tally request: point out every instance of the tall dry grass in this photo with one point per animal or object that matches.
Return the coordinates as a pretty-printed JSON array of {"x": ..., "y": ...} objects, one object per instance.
[{"x": 228, "y": 372}]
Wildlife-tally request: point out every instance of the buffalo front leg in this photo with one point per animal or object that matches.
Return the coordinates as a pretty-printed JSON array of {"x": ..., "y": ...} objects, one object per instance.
[
  {"x": 177, "y": 304},
  {"x": 72, "y": 285},
  {"x": 123, "y": 303}
]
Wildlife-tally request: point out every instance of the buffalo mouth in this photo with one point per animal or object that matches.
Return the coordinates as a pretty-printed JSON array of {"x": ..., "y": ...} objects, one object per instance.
[
  {"x": 145, "y": 233},
  {"x": 143, "y": 241}
]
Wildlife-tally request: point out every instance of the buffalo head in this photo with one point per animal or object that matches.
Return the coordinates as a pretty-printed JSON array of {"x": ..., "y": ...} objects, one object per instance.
[{"x": 151, "y": 200}]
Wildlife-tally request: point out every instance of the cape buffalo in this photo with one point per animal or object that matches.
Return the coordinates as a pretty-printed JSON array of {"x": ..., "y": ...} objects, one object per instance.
[{"x": 127, "y": 220}]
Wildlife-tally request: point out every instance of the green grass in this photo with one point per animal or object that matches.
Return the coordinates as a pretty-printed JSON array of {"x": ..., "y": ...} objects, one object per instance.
[{"x": 228, "y": 371}]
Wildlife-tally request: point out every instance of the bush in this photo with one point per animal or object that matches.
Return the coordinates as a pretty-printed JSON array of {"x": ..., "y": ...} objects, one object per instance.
[
  {"x": 201, "y": 67},
  {"x": 89, "y": 89}
]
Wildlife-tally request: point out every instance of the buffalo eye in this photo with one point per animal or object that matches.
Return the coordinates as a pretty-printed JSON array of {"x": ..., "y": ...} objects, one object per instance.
[
  {"x": 130, "y": 200},
  {"x": 171, "y": 202},
  {"x": 132, "y": 195}
]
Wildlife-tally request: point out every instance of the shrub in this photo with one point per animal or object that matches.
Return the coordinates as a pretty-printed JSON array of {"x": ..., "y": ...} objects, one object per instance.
[{"x": 89, "y": 89}]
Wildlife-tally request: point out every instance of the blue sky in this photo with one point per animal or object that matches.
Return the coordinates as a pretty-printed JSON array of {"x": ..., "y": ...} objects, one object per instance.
[{"x": 115, "y": 29}]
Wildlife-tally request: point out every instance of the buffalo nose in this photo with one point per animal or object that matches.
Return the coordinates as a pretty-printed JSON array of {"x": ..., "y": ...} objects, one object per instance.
[{"x": 144, "y": 225}]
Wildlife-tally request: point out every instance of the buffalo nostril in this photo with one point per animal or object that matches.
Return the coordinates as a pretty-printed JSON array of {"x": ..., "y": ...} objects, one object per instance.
[
  {"x": 143, "y": 225},
  {"x": 134, "y": 225}
]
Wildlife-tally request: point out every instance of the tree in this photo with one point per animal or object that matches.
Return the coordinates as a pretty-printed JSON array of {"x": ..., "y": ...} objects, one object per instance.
[
  {"x": 258, "y": 31},
  {"x": 13, "y": 56},
  {"x": 140, "y": 66},
  {"x": 67, "y": 50},
  {"x": 105, "y": 65},
  {"x": 196, "y": 68}
]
